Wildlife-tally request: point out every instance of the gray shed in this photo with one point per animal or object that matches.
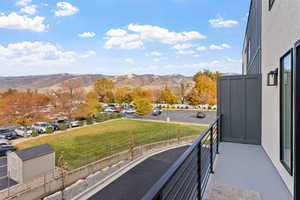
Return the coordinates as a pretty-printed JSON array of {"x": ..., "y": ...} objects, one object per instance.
[{"x": 27, "y": 164}]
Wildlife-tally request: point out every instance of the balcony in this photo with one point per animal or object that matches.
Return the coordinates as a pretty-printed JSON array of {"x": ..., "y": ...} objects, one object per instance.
[
  {"x": 249, "y": 168},
  {"x": 211, "y": 170}
]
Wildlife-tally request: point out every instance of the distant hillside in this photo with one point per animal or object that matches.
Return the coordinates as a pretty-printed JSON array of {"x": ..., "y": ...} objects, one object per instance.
[{"x": 45, "y": 83}]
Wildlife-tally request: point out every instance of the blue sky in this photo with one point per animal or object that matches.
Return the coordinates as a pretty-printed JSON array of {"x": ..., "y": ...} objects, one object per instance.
[{"x": 121, "y": 36}]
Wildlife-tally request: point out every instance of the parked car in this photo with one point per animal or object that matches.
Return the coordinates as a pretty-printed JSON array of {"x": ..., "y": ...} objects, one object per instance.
[
  {"x": 21, "y": 130},
  {"x": 156, "y": 112},
  {"x": 201, "y": 115},
  {"x": 5, "y": 148},
  {"x": 119, "y": 109},
  {"x": 109, "y": 109},
  {"x": 128, "y": 111},
  {"x": 74, "y": 123},
  {"x": 56, "y": 123},
  {"x": 6, "y": 133},
  {"x": 4, "y": 142},
  {"x": 41, "y": 127}
]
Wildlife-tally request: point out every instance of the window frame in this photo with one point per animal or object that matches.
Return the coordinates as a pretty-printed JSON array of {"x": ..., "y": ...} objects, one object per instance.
[
  {"x": 289, "y": 169},
  {"x": 271, "y": 3}
]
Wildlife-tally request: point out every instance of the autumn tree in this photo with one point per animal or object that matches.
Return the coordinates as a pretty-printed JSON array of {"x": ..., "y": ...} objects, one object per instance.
[
  {"x": 141, "y": 93},
  {"x": 123, "y": 95},
  {"x": 104, "y": 88},
  {"x": 23, "y": 108},
  {"x": 204, "y": 91},
  {"x": 90, "y": 106},
  {"x": 67, "y": 98},
  {"x": 142, "y": 106},
  {"x": 166, "y": 96},
  {"x": 212, "y": 75}
]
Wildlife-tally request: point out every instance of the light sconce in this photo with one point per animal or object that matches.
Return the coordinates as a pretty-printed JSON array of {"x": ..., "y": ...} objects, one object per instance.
[{"x": 272, "y": 79}]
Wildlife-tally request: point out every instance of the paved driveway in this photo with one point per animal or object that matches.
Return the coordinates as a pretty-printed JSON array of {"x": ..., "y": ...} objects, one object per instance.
[
  {"x": 185, "y": 116},
  {"x": 3, "y": 174},
  {"x": 135, "y": 183}
]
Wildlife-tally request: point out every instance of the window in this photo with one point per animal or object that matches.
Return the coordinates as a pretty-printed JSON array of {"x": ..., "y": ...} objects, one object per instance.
[
  {"x": 286, "y": 111},
  {"x": 271, "y": 2}
]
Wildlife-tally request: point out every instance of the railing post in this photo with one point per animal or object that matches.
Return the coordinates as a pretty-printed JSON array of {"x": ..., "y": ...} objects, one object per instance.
[
  {"x": 211, "y": 150},
  {"x": 218, "y": 135},
  {"x": 199, "y": 171}
]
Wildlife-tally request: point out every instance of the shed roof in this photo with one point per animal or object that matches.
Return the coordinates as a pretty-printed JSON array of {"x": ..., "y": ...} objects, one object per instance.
[{"x": 34, "y": 152}]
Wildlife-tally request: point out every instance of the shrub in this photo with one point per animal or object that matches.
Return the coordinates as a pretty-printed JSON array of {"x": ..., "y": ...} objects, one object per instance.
[
  {"x": 34, "y": 133},
  {"x": 49, "y": 130},
  {"x": 186, "y": 107},
  {"x": 89, "y": 121},
  {"x": 81, "y": 123},
  {"x": 63, "y": 127}
]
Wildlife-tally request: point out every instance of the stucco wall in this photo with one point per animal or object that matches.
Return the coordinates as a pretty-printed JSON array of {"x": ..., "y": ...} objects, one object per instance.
[
  {"x": 280, "y": 31},
  {"x": 38, "y": 166},
  {"x": 14, "y": 165}
]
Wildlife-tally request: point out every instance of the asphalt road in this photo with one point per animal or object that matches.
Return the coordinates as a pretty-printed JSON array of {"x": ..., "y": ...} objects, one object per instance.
[
  {"x": 185, "y": 116},
  {"x": 135, "y": 183},
  {"x": 3, "y": 174}
]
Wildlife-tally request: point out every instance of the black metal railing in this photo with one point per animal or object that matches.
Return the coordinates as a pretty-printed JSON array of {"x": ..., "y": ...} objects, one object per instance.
[{"x": 187, "y": 178}]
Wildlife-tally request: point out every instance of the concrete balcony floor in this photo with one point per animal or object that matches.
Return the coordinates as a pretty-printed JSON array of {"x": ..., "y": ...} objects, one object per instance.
[{"x": 248, "y": 167}]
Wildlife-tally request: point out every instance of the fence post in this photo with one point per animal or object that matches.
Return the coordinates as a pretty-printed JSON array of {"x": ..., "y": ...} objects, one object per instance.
[
  {"x": 199, "y": 170},
  {"x": 211, "y": 150}
]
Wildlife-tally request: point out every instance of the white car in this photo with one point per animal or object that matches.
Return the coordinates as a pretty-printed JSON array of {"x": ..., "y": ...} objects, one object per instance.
[
  {"x": 109, "y": 109},
  {"x": 74, "y": 123},
  {"x": 41, "y": 127},
  {"x": 4, "y": 142},
  {"x": 21, "y": 130}
]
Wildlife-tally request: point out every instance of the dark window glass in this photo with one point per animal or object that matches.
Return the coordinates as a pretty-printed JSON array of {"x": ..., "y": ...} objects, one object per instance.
[
  {"x": 271, "y": 2},
  {"x": 286, "y": 111}
]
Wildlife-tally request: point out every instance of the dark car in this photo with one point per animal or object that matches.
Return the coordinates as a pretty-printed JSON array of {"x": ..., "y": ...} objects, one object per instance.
[
  {"x": 156, "y": 112},
  {"x": 6, "y": 133},
  {"x": 6, "y": 148},
  {"x": 201, "y": 115},
  {"x": 57, "y": 123}
]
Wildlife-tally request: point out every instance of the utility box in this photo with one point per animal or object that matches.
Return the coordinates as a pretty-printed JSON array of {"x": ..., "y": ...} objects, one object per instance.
[{"x": 26, "y": 164}]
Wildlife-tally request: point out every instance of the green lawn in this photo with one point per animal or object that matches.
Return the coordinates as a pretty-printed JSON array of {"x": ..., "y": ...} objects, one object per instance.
[{"x": 88, "y": 144}]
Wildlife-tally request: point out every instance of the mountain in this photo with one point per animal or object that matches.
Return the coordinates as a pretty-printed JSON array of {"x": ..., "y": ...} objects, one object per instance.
[{"x": 44, "y": 83}]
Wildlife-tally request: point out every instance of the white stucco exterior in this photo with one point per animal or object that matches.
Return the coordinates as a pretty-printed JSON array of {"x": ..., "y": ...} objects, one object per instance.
[
  {"x": 24, "y": 171},
  {"x": 280, "y": 32}
]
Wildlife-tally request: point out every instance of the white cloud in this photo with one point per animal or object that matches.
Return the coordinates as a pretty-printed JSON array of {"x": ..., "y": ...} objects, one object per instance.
[
  {"x": 201, "y": 48},
  {"x": 30, "y": 10},
  {"x": 116, "y": 32},
  {"x": 155, "y": 53},
  {"x": 23, "y": 2},
  {"x": 182, "y": 46},
  {"x": 15, "y": 21},
  {"x": 135, "y": 36},
  {"x": 129, "y": 60},
  {"x": 65, "y": 9},
  {"x": 88, "y": 54},
  {"x": 130, "y": 41},
  {"x": 221, "y": 23},
  {"x": 34, "y": 52},
  {"x": 87, "y": 34},
  {"x": 185, "y": 52},
  {"x": 158, "y": 34},
  {"x": 156, "y": 60},
  {"x": 219, "y": 47}
]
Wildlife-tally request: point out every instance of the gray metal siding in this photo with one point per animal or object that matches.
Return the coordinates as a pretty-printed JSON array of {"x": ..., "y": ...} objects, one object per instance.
[
  {"x": 253, "y": 33},
  {"x": 239, "y": 102}
]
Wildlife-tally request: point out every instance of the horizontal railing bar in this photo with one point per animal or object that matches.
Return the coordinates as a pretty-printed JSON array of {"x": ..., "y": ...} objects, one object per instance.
[{"x": 154, "y": 191}]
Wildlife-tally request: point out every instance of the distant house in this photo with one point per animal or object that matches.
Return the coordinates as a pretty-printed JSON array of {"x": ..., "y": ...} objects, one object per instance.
[{"x": 24, "y": 165}]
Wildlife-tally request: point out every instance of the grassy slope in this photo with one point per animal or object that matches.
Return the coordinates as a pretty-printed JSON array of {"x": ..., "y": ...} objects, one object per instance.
[{"x": 87, "y": 144}]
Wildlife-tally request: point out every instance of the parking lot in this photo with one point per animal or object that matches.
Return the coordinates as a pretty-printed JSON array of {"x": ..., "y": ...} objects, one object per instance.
[
  {"x": 3, "y": 175},
  {"x": 184, "y": 116}
]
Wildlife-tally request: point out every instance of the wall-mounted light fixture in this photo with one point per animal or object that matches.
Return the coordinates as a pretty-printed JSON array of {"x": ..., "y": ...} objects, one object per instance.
[{"x": 272, "y": 79}]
